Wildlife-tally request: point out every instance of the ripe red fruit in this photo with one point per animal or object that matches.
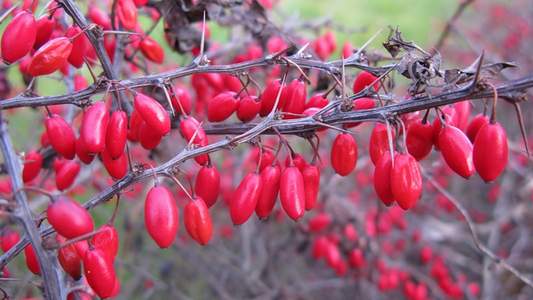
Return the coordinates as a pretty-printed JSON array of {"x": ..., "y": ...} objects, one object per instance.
[
  {"x": 94, "y": 126},
  {"x": 181, "y": 101},
  {"x": 9, "y": 239},
  {"x": 82, "y": 152},
  {"x": 319, "y": 222},
  {"x": 379, "y": 142},
  {"x": 33, "y": 162},
  {"x": 294, "y": 95},
  {"x": 419, "y": 140},
  {"x": 148, "y": 138},
  {"x": 311, "y": 176},
  {"x": 99, "y": 272},
  {"x": 222, "y": 106},
  {"x": 116, "y": 134},
  {"x": 188, "y": 127},
  {"x": 450, "y": 116},
  {"x": 248, "y": 108},
  {"x": 61, "y": 136},
  {"x": 117, "y": 168},
  {"x": 151, "y": 49},
  {"x": 270, "y": 180},
  {"x": 69, "y": 259},
  {"x": 44, "y": 26},
  {"x": 66, "y": 175},
  {"x": 31, "y": 260},
  {"x": 99, "y": 17},
  {"x": 491, "y": 163},
  {"x": 475, "y": 125},
  {"x": 135, "y": 123},
  {"x": 463, "y": 109},
  {"x": 360, "y": 104},
  {"x": 382, "y": 179},
  {"x": 50, "y": 57},
  {"x": 268, "y": 98},
  {"x": 127, "y": 14},
  {"x": 80, "y": 46},
  {"x": 317, "y": 100},
  {"x": 344, "y": 154},
  {"x": 69, "y": 218},
  {"x": 406, "y": 180},
  {"x": 292, "y": 192},
  {"x": 198, "y": 221},
  {"x": 106, "y": 240},
  {"x": 18, "y": 37},
  {"x": 161, "y": 216},
  {"x": 207, "y": 185},
  {"x": 347, "y": 49},
  {"x": 153, "y": 113},
  {"x": 456, "y": 150},
  {"x": 363, "y": 80},
  {"x": 245, "y": 198}
]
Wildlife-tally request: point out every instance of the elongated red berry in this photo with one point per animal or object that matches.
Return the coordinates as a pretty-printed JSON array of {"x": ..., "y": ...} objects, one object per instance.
[
  {"x": 207, "y": 185},
  {"x": 61, "y": 136},
  {"x": 151, "y": 49},
  {"x": 406, "y": 180},
  {"x": 9, "y": 239},
  {"x": 491, "y": 151},
  {"x": 450, "y": 116},
  {"x": 181, "y": 100},
  {"x": 82, "y": 153},
  {"x": 419, "y": 140},
  {"x": 106, "y": 240},
  {"x": 94, "y": 126},
  {"x": 153, "y": 113},
  {"x": 69, "y": 259},
  {"x": 127, "y": 14},
  {"x": 18, "y": 37},
  {"x": 69, "y": 218},
  {"x": 116, "y": 134},
  {"x": 379, "y": 142},
  {"x": 463, "y": 109},
  {"x": 33, "y": 162},
  {"x": 245, "y": 198},
  {"x": 161, "y": 216},
  {"x": 80, "y": 46},
  {"x": 456, "y": 150},
  {"x": 99, "y": 17},
  {"x": 292, "y": 192},
  {"x": 363, "y": 80},
  {"x": 189, "y": 128},
  {"x": 382, "y": 179},
  {"x": 270, "y": 180},
  {"x": 248, "y": 108},
  {"x": 50, "y": 57},
  {"x": 318, "y": 101},
  {"x": 295, "y": 102},
  {"x": 117, "y": 168},
  {"x": 311, "y": 176},
  {"x": 344, "y": 154},
  {"x": 475, "y": 125},
  {"x": 198, "y": 221},
  {"x": 99, "y": 272},
  {"x": 268, "y": 98},
  {"x": 222, "y": 106},
  {"x": 148, "y": 138},
  {"x": 31, "y": 260},
  {"x": 45, "y": 26},
  {"x": 66, "y": 175}
]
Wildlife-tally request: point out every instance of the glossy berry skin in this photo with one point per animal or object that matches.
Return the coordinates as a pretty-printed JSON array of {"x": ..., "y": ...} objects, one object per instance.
[
  {"x": 475, "y": 125},
  {"x": 292, "y": 192},
  {"x": 61, "y": 136},
  {"x": 116, "y": 134},
  {"x": 419, "y": 140},
  {"x": 295, "y": 100},
  {"x": 449, "y": 114},
  {"x": 317, "y": 101},
  {"x": 198, "y": 221},
  {"x": 311, "y": 176},
  {"x": 207, "y": 185},
  {"x": 491, "y": 151},
  {"x": 379, "y": 142},
  {"x": 406, "y": 180},
  {"x": 106, "y": 240},
  {"x": 99, "y": 272},
  {"x": 69, "y": 218},
  {"x": 151, "y": 49},
  {"x": 181, "y": 101},
  {"x": 99, "y": 17},
  {"x": 382, "y": 179},
  {"x": 127, "y": 14},
  {"x": 50, "y": 57},
  {"x": 148, "y": 138},
  {"x": 222, "y": 106},
  {"x": 18, "y": 37},
  {"x": 153, "y": 113},
  {"x": 67, "y": 174},
  {"x": 45, "y": 26},
  {"x": 245, "y": 198},
  {"x": 161, "y": 216},
  {"x": 82, "y": 153},
  {"x": 94, "y": 126},
  {"x": 80, "y": 46},
  {"x": 117, "y": 168},
  {"x": 248, "y": 108},
  {"x": 456, "y": 150},
  {"x": 344, "y": 154},
  {"x": 188, "y": 127},
  {"x": 31, "y": 260},
  {"x": 363, "y": 80},
  {"x": 9, "y": 239},
  {"x": 33, "y": 162},
  {"x": 69, "y": 259},
  {"x": 270, "y": 181},
  {"x": 268, "y": 98}
]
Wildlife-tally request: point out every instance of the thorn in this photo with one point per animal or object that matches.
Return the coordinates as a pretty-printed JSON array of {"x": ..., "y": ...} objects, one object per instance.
[
  {"x": 301, "y": 50},
  {"x": 522, "y": 126},
  {"x": 370, "y": 40},
  {"x": 478, "y": 71}
]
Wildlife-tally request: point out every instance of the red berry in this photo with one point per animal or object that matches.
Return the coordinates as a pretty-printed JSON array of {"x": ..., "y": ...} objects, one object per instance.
[
  {"x": 116, "y": 134},
  {"x": 94, "y": 126},
  {"x": 292, "y": 192},
  {"x": 61, "y": 136},
  {"x": 419, "y": 140},
  {"x": 66, "y": 175},
  {"x": 148, "y": 138},
  {"x": 161, "y": 216},
  {"x": 248, "y": 108},
  {"x": 117, "y": 168},
  {"x": 69, "y": 218},
  {"x": 363, "y": 80},
  {"x": 106, "y": 240},
  {"x": 311, "y": 176},
  {"x": 33, "y": 162},
  {"x": 317, "y": 100},
  {"x": 294, "y": 95},
  {"x": 69, "y": 259},
  {"x": 456, "y": 150},
  {"x": 50, "y": 57},
  {"x": 181, "y": 101},
  {"x": 99, "y": 17},
  {"x": 80, "y": 46},
  {"x": 406, "y": 180},
  {"x": 474, "y": 126},
  {"x": 491, "y": 163},
  {"x": 44, "y": 26},
  {"x": 268, "y": 98},
  {"x": 82, "y": 152},
  {"x": 379, "y": 142},
  {"x": 207, "y": 185},
  {"x": 245, "y": 198},
  {"x": 222, "y": 106},
  {"x": 198, "y": 221},
  {"x": 127, "y": 14},
  {"x": 270, "y": 180},
  {"x": 31, "y": 260},
  {"x": 9, "y": 239},
  {"x": 344, "y": 154},
  {"x": 18, "y": 37},
  {"x": 382, "y": 179},
  {"x": 99, "y": 272},
  {"x": 151, "y": 49},
  {"x": 153, "y": 113}
]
